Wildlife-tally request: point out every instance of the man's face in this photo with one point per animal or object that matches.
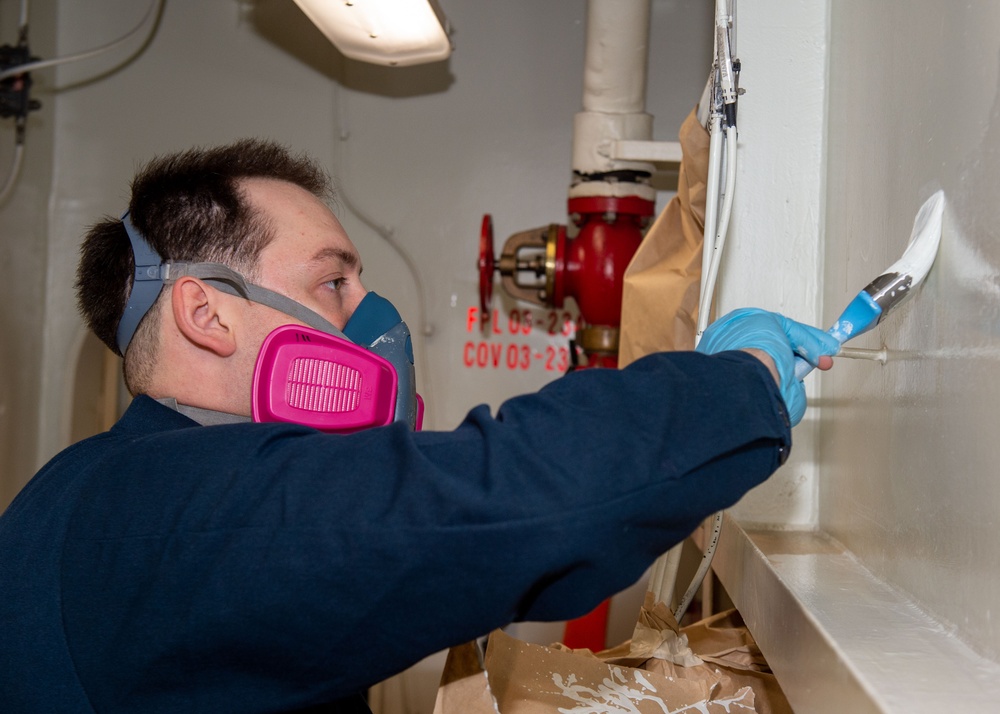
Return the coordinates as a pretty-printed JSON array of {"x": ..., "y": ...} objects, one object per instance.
[{"x": 310, "y": 260}]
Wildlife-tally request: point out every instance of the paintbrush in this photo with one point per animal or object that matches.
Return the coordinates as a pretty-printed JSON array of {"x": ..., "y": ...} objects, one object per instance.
[{"x": 893, "y": 286}]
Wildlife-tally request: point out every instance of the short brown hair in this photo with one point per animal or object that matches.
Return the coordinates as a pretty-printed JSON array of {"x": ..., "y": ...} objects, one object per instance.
[{"x": 189, "y": 206}]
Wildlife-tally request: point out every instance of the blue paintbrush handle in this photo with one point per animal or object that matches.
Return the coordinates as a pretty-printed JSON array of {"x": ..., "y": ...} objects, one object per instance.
[{"x": 861, "y": 315}]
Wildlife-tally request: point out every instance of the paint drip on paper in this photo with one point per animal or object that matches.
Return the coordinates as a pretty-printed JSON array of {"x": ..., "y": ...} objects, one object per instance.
[{"x": 626, "y": 691}]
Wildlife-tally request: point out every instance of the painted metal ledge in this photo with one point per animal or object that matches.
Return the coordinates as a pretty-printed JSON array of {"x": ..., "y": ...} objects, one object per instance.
[{"x": 839, "y": 639}]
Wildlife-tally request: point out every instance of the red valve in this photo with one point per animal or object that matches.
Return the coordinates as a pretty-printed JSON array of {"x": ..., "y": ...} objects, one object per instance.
[
  {"x": 486, "y": 266},
  {"x": 486, "y": 263},
  {"x": 595, "y": 268},
  {"x": 544, "y": 266}
]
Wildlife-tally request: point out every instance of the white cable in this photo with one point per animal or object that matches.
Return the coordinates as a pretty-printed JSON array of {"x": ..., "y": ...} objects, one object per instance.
[
  {"x": 708, "y": 290},
  {"x": 18, "y": 159},
  {"x": 723, "y": 230},
  {"x": 732, "y": 34},
  {"x": 663, "y": 573},
  {"x": 711, "y": 213},
  {"x": 15, "y": 170},
  {"x": 710, "y": 281},
  {"x": 715, "y": 234},
  {"x": 706, "y": 563},
  {"x": 153, "y": 10}
]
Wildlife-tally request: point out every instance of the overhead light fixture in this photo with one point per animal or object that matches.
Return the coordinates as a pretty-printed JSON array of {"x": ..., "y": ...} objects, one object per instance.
[{"x": 387, "y": 32}]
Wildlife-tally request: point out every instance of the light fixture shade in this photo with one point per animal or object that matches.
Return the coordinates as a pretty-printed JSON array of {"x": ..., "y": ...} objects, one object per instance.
[{"x": 387, "y": 32}]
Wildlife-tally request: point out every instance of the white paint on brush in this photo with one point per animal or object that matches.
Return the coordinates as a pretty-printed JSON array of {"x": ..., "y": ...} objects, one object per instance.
[{"x": 925, "y": 237}]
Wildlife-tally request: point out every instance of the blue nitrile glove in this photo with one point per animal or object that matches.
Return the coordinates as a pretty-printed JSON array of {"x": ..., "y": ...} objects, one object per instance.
[{"x": 781, "y": 338}]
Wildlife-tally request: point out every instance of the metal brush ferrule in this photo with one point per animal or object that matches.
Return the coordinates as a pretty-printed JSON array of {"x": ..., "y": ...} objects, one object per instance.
[{"x": 888, "y": 290}]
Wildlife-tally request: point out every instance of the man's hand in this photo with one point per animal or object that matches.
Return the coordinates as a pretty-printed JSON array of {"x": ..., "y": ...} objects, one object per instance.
[{"x": 775, "y": 340}]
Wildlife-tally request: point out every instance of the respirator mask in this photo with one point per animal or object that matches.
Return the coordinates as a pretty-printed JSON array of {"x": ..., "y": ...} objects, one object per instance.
[{"x": 313, "y": 374}]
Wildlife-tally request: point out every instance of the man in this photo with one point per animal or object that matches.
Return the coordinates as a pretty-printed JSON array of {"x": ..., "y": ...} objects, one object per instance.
[{"x": 193, "y": 560}]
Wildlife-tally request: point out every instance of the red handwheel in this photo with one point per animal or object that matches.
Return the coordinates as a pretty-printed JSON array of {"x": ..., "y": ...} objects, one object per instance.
[{"x": 486, "y": 267}]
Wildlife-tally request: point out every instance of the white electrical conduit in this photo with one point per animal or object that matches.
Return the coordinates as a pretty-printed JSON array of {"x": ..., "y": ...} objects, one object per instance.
[
  {"x": 152, "y": 11},
  {"x": 712, "y": 190},
  {"x": 707, "y": 295},
  {"x": 663, "y": 574},
  {"x": 709, "y": 281},
  {"x": 716, "y": 228},
  {"x": 18, "y": 160},
  {"x": 13, "y": 172}
]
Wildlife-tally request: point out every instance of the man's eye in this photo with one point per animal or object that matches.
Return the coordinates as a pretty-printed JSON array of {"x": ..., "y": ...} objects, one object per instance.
[{"x": 336, "y": 283}]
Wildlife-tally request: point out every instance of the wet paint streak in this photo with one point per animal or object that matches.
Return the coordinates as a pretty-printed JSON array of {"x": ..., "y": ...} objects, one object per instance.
[{"x": 615, "y": 696}]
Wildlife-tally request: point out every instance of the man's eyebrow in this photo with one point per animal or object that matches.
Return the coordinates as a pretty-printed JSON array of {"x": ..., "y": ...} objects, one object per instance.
[{"x": 348, "y": 258}]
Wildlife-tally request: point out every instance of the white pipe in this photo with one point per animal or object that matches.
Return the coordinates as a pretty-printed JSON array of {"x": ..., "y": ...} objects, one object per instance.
[
  {"x": 614, "y": 71},
  {"x": 614, "y": 89}
]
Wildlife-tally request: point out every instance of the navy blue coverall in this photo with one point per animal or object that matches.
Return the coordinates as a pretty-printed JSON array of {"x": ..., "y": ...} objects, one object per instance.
[{"x": 165, "y": 566}]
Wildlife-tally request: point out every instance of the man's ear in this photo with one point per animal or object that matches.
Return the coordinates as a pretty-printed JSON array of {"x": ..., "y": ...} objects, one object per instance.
[{"x": 203, "y": 315}]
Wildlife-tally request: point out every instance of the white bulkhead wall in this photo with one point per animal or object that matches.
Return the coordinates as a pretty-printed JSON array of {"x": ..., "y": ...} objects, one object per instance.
[
  {"x": 774, "y": 253},
  {"x": 909, "y": 449}
]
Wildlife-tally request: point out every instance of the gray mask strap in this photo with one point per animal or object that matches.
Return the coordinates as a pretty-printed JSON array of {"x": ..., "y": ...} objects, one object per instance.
[
  {"x": 146, "y": 285},
  {"x": 229, "y": 281},
  {"x": 151, "y": 274}
]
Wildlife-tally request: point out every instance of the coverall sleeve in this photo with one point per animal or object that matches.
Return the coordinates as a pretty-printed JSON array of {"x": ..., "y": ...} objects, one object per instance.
[{"x": 275, "y": 560}]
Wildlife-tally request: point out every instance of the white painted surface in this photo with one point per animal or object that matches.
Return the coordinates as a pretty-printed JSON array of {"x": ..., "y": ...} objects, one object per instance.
[
  {"x": 902, "y": 620},
  {"x": 23, "y": 236},
  {"x": 909, "y": 478},
  {"x": 772, "y": 258},
  {"x": 841, "y": 640}
]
